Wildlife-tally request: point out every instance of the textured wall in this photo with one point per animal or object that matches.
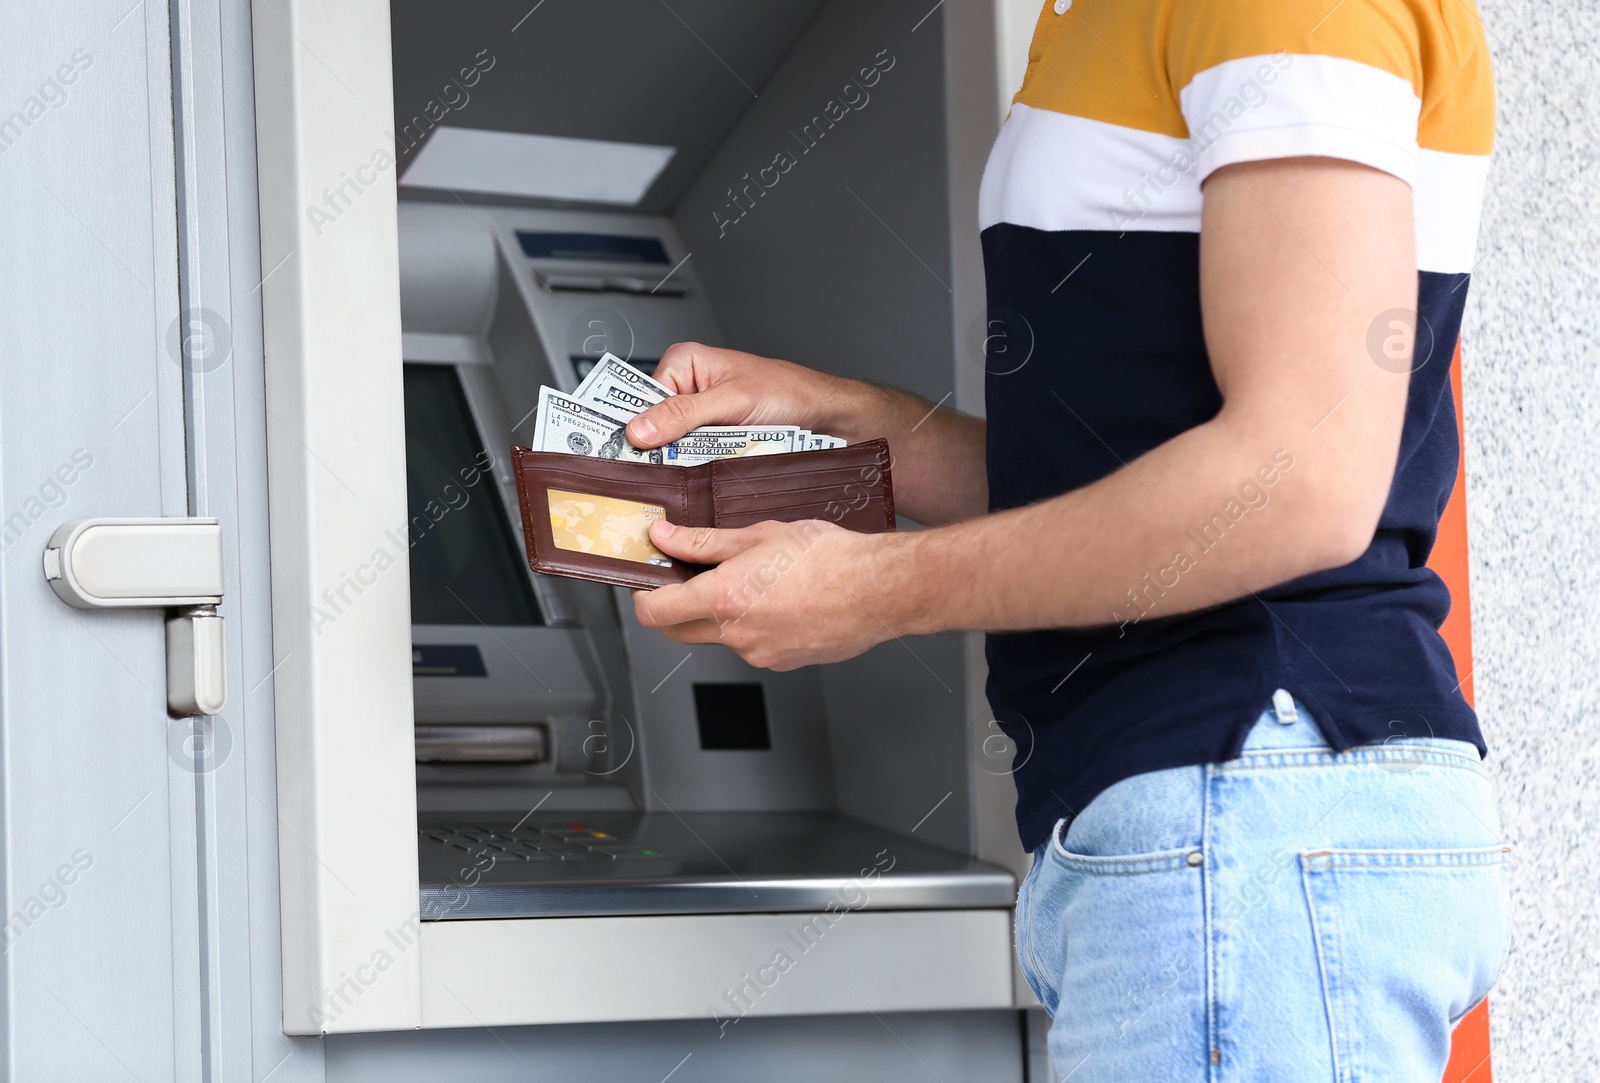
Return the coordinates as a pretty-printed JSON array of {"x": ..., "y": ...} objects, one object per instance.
[{"x": 1532, "y": 399}]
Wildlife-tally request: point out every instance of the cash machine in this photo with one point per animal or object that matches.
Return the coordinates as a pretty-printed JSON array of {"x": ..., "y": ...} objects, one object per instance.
[
  {"x": 501, "y": 801},
  {"x": 570, "y": 761}
]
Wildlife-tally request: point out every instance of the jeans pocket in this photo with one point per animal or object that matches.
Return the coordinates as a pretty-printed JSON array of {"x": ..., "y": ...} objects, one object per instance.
[
  {"x": 1027, "y": 922},
  {"x": 1123, "y": 864},
  {"x": 1120, "y": 944},
  {"x": 1407, "y": 943}
]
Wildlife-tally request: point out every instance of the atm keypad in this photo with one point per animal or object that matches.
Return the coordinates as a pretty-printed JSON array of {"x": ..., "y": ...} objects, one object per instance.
[{"x": 572, "y": 842}]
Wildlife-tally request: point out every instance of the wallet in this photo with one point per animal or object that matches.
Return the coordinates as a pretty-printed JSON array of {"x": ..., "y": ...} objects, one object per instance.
[{"x": 589, "y": 518}]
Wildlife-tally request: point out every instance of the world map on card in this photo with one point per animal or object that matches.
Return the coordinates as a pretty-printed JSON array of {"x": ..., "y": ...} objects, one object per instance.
[{"x": 605, "y": 526}]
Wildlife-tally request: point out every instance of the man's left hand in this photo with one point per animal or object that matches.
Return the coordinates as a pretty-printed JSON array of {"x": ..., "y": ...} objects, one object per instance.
[{"x": 782, "y": 595}]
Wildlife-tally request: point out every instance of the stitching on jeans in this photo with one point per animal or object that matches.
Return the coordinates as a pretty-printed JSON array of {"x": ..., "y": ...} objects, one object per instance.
[
  {"x": 1176, "y": 864},
  {"x": 1479, "y": 853},
  {"x": 1323, "y": 972},
  {"x": 1356, "y": 754},
  {"x": 1039, "y": 968},
  {"x": 1505, "y": 945},
  {"x": 1120, "y": 865},
  {"x": 1213, "y": 1037},
  {"x": 1349, "y": 759},
  {"x": 1463, "y": 866}
]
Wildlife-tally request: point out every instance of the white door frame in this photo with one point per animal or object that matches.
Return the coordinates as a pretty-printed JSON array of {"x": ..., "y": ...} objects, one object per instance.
[
  {"x": 335, "y": 442},
  {"x": 355, "y": 956}
]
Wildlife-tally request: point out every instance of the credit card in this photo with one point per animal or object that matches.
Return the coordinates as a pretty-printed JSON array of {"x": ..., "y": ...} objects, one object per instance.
[{"x": 605, "y": 526}]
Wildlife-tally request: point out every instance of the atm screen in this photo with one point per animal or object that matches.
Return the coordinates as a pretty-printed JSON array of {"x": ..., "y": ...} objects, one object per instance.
[{"x": 465, "y": 565}]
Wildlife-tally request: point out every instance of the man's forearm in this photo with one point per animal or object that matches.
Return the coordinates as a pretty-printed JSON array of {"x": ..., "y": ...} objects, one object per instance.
[
  {"x": 1292, "y": 475},
  {"x": 938, "y": 454},
  {"x": 1218, "y": 512}
]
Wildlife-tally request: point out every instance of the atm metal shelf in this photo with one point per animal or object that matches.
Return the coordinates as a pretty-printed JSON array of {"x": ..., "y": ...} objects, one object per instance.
[{"x": 595, "y": 864}]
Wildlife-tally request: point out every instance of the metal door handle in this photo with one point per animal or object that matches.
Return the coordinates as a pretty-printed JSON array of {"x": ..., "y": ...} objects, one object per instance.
[{"x": 173, "y": 564}]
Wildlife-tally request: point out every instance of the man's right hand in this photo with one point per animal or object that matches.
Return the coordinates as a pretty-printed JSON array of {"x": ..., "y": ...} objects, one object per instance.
[
  {"x": 937, "y": 453},
  {"x": 727, "y": 387}
]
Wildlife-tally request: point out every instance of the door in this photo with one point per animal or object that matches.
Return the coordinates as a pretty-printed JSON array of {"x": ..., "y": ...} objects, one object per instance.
[{"x": 99, "y": 880}]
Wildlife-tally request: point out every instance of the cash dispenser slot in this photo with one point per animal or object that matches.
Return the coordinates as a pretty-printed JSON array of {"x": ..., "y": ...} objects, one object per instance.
[
  {"x": 498, "y": 743},
  {"x": 553, "y": 281},
  {"x": 603, "y": 247}
]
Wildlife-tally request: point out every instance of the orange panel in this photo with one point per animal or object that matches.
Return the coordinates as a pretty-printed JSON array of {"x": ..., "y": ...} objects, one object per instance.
[
  {"x": 1449, "y": 557},
  {"x": 1469, "y": 1052}
]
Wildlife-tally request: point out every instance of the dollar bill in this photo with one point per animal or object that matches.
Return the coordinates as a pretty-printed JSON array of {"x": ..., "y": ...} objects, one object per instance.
[
  {"x": 592, "y": 421},
  {"x": 578, "y": 428},
  {"x": 712, "y": 442},
  {"x": 613, "y": 384},
  {"x": 816, "y": 441}
]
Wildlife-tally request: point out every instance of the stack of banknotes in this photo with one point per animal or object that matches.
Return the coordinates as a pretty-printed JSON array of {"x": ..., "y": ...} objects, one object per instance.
[{"x": 591, "y": 420}]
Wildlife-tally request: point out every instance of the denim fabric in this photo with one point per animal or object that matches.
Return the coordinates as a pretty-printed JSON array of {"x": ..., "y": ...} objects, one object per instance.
[{"x": 1292, "y": 915}]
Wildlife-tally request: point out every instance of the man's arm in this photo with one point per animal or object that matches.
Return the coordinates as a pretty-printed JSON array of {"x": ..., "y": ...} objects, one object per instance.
[
  {"x": 938, "y": 454},
  {"x": 1298, "y": 258}
]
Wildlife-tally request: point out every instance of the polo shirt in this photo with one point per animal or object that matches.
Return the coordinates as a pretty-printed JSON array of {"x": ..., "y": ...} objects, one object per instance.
[{"x": 1090, "y": 214}]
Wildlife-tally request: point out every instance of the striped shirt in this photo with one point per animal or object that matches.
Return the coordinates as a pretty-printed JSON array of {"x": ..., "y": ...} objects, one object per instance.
[{"x": 1090, "y": 210}]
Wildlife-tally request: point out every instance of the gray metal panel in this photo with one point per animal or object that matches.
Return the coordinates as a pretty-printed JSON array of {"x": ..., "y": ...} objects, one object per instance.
[
  {"x": 899, "y": 751},
  {"x": 567, "y": 323},
  {"x": 101, "y": 974},
  {"x": 898, "y": 1048},
  {"x": 680, "y": 774},
  {"x": 844, "y": 262},
  {"x": 609, "y": 863},
  {"x": 973, "y": 116},
  {"x": 676, "y": 75},
  {"x": 447, "y": 270},
  {"x": 537, "y": 673}
]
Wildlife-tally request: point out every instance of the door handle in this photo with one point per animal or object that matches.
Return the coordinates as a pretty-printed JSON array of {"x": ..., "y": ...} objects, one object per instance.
[{"x": 173, "y": 564}]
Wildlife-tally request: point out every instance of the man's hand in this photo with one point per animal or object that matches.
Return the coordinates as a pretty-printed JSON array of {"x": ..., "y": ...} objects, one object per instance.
[
  {"x": 938, "y": 454},
  {"x": 783, "y": 595},
  {"x": 726, "y": 387}
]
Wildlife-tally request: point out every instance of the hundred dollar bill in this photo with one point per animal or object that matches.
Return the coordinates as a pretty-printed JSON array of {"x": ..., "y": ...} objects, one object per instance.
[
  {"x": 613, "y": 384},
  {"x": 579, "y": 428},
  {"x": 592, "y": 420},
  {"x": 711, "y": 442}
]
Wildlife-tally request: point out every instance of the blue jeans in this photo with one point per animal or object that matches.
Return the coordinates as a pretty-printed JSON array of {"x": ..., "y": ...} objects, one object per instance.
[{"x": 1293, "y": 915}]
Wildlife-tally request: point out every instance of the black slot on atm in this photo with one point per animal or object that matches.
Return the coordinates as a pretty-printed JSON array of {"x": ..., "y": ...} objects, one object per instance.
[{"x": 732, "y": 717}]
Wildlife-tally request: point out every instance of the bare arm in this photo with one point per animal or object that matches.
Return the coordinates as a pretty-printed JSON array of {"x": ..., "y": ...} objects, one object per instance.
[
  {"x": 938, "y": 454},
  {"x": 1297, "y": 259}
]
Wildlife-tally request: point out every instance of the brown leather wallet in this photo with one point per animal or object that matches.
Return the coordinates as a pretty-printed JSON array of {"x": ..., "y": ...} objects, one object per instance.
[{"x": 589, "y": 518}]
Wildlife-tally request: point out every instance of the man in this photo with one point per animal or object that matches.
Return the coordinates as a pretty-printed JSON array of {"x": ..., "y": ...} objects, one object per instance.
[{"x": 1195, "y": 526}]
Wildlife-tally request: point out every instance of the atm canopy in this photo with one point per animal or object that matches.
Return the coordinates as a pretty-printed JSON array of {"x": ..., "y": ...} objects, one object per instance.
[{"x": 627, "y": 71}]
